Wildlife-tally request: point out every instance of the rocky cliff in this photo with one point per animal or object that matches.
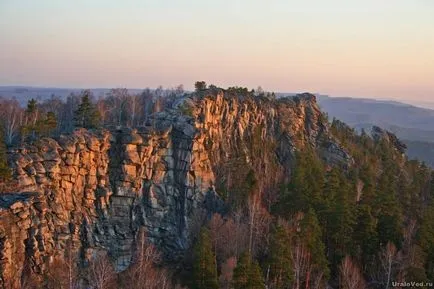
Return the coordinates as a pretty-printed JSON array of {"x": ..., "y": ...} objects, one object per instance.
[{"x": 92, "y": 191}]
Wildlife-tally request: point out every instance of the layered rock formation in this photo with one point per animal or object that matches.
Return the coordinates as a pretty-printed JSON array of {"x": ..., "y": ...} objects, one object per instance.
[{"x": 91, "y": 191}]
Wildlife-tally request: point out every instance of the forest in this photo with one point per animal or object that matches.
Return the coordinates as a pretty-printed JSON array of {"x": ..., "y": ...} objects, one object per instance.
[{"x": 368, "y": 225}]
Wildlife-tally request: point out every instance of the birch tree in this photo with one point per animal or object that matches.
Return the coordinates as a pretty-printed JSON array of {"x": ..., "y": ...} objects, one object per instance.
[
  {"x": 101, "y": 273},
  {"x": 350, "y": 275}
]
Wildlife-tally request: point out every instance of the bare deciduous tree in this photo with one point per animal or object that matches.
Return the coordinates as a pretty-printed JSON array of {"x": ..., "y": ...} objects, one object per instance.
[
  {"x": 101, "y": 274},
  {"x": 350, "y": 276},
  {"x": 62, "y": 273},
  {"x": 133, "y": 107},
  {"x": 306, "y": 273},
  {"x": 67, "y": 114},
  {"x": 118, "y": 99},
  {"x": 11, "y": 116},
  {"x": 387, "y": 260},
  {"x": 144, "y": 273},
  {"x": 227, "y": 271},
  {"x": 301, "y": 262},
  {"x": 259, "y": 221}
]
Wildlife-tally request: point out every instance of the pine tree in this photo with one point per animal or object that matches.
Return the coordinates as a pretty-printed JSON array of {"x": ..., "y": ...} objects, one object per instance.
[
  {"x": 50, "y": 122},
  {"x": 5, "y": 172},
  {"x": 247, "y": 274},
  {"x": 256, "y": 280},
  {"x": 305, "y": 189},
  {"x": 31, "y": 111},
  {"x": 241, "y": 272},
  {"x": 312, "y": 236},
  {"x": 431, "y": 187},
  {"x": 388, "y": 209},
  {"x": 367, "y": 177},
  {"x": 426, "y": 239},
  {"x": 31, "y": 119},
  {"x": 314, "y": 180},
  {"x": 31, "y": 106},
  {"x": 200, "y": 85},
  {"x": 86, "y": 115},
  {"x": 340, "y": 217},
  {"x": 331, "y": 187},
  {"x": 204, "y": 267},
  {"x": 46, "y": 126},
  {"x": 279, "y": 260},
  {"x": 365, "y": 234}
]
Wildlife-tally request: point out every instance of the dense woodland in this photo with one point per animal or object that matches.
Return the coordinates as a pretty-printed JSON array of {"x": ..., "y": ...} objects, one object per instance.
[{"x": 365, "y": 226}]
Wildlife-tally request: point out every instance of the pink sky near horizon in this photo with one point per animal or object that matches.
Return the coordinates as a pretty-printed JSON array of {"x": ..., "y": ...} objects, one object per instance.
[{"x": 336, "y": 47}]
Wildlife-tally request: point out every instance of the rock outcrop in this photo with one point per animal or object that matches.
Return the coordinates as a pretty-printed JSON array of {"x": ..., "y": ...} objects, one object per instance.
[
  {"x": 92, "y": 191},
  {"x": 379, "y": 134}
]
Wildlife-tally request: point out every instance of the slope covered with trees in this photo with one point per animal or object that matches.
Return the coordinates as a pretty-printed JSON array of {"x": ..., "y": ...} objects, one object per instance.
[
  {"x": 413, "y": 125},
  {"x": 362, "y": 226},
  {"x": 350, "y": 228}
]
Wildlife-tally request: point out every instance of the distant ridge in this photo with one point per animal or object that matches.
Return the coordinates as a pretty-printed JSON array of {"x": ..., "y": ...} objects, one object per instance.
[
  {"x": 414, "y": 125},
  {"x": 25, "y": 93}
]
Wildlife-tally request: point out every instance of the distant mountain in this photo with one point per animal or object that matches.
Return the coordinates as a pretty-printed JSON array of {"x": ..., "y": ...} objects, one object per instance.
[
  {"x": 383, "y": 113},
  {"x": 413, "y": 125}
]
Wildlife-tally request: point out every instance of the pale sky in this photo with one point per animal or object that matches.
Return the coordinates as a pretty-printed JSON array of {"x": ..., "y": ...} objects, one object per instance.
[{"x": 370, "y": 48}]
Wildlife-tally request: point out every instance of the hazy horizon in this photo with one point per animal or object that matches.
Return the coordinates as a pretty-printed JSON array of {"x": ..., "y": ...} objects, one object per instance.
[{"x": 339, "y": 48}]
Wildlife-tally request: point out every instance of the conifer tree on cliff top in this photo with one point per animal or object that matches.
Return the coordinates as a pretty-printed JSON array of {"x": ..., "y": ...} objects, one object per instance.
[{"x": 86, "y": 115}]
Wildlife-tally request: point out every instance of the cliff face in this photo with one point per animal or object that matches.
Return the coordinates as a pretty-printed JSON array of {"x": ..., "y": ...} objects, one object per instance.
[{"x": 92, "y": 191}]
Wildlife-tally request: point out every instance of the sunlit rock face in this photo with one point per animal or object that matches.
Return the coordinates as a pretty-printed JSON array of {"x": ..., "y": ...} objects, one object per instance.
[{"x": 92, "y": 191}]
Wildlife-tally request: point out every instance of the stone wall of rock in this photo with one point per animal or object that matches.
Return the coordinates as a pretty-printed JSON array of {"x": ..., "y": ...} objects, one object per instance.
[
  {"x": 264, "y": 132},
  {"x": 91, "y": 191}
]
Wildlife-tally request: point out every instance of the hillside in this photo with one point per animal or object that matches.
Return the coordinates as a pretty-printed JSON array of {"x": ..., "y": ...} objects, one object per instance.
[
  {"x": 411, "y": 124},
  {"x": 382, "y": 113}
]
